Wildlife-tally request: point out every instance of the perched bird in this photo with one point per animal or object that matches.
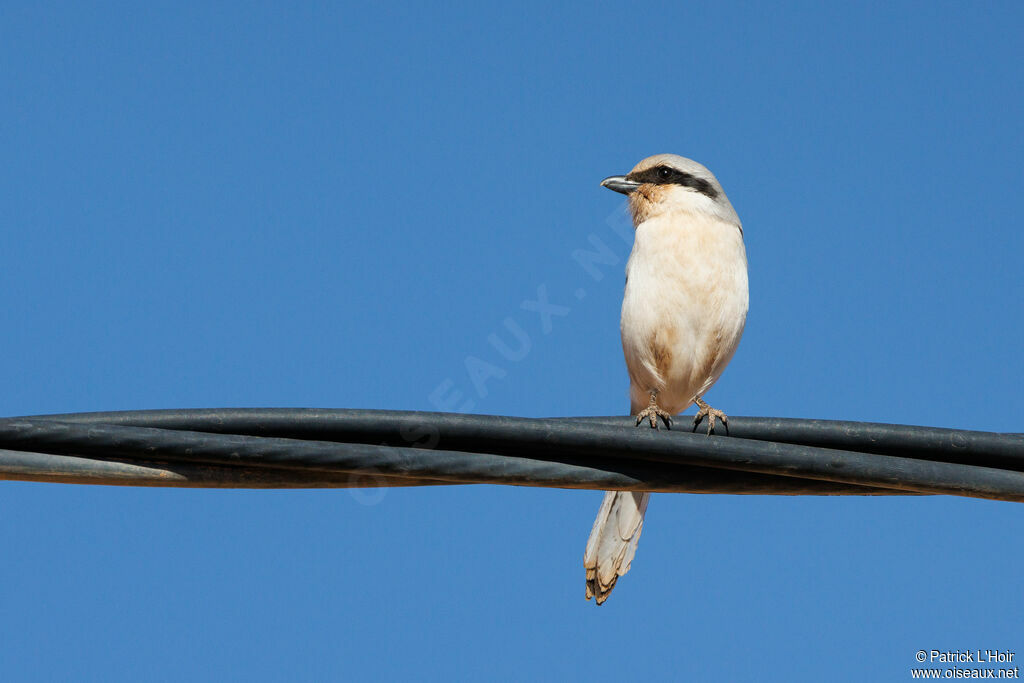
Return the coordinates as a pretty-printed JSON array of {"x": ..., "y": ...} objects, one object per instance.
[{"x": 682, "y": 317}]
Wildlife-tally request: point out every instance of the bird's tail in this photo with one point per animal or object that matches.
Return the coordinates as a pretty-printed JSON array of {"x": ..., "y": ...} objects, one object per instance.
[{"x": 613, "y": 540}]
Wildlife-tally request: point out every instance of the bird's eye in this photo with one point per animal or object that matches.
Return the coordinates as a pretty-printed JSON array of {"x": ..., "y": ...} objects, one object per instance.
[{"x": 664, "y": 173}]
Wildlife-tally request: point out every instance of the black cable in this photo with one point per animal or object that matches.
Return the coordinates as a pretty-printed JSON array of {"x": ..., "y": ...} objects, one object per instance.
[
  {"x": 985, "y": 449},
  {"x": 367, "y": 461},
  {"x": 453, "y": 431},
  {"x": 49, "y": 467},
  {"x": 580, "y": 453}
]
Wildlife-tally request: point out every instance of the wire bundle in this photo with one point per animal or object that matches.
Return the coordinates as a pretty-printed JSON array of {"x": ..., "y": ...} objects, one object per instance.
[{"x": 311, "y": 448}]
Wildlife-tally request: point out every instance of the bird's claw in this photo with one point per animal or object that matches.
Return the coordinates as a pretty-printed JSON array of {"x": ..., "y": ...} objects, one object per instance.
[
  {"x": 652, "y": 412},
  {"x": 710, "y": 413}
]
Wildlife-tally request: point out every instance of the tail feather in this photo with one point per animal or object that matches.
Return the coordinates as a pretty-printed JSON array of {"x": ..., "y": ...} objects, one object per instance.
[{"x": 613, "y": 540}]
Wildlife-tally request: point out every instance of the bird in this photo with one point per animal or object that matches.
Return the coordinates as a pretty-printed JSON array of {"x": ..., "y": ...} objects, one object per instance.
[{"x": 683, "y": 312}]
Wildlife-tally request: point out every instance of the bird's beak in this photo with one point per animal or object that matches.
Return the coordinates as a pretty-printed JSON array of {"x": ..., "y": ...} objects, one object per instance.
[{"x": 620, "y": 183}]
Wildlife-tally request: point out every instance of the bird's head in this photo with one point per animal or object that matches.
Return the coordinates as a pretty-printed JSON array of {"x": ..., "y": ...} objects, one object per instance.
[{"x": 667, "y": 183}]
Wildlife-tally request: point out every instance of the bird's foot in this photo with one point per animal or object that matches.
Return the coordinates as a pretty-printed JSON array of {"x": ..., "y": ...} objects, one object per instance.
[
  {"x": 652, "y": 412},
  {"x": 711, "y": 414}
]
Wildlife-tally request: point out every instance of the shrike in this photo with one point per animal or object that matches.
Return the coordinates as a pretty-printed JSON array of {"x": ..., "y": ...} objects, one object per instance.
[{"x": 682, "y": 317}]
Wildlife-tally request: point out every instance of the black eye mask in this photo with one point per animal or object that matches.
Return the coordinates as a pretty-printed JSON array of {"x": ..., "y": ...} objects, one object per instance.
[{"x": 666, "y": 175}]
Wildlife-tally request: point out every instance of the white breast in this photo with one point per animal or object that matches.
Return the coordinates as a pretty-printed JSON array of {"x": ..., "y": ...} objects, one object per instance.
[{"x": 684, "y": 307}]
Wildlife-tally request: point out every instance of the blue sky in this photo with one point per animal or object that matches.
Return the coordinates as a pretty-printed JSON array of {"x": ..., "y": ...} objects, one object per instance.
[{"x": 333, "y": 205}]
